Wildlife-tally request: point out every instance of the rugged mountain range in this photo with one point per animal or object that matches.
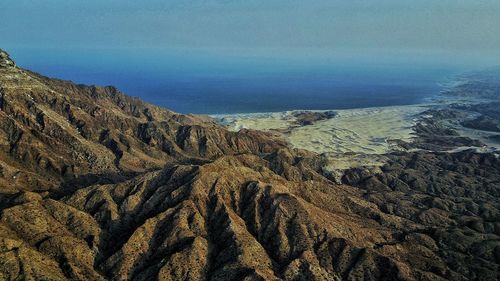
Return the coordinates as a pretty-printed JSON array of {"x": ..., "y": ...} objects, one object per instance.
[{"x": 96, "y": 185}]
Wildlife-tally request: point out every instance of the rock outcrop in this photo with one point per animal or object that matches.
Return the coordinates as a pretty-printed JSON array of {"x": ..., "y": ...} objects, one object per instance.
[{"x": 5, "y": 60}]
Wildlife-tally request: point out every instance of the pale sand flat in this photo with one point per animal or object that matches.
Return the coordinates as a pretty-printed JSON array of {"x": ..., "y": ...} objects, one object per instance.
[{"x": 364, "y": 130}]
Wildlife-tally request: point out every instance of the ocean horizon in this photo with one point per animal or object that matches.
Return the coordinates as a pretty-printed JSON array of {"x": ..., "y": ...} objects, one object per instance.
[{"x": 201, "y": 83}]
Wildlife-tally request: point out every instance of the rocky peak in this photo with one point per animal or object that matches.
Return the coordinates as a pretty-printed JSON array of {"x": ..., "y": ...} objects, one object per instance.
[{"x": 5, "y": 60}]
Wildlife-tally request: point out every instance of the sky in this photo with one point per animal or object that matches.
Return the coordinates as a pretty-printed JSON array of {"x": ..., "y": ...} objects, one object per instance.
[{"x": 253, "y": 26}]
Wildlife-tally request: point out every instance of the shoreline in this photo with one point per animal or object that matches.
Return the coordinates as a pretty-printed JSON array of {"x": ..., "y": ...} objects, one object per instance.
[{"x": 219, "y": 115}]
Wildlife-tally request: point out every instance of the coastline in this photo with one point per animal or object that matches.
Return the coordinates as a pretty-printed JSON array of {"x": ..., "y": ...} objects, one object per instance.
[{"x": 362, "y": 137}]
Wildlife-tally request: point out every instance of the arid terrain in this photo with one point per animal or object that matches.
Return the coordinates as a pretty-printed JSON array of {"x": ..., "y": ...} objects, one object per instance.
[{"x": 97, "y": 185}]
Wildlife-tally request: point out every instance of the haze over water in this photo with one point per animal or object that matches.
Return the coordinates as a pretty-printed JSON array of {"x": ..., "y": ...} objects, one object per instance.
[{"x": 208, "y": 83}]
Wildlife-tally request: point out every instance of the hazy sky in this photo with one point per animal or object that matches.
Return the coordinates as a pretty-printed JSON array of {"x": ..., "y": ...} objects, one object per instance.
[{"x": 471, "y": 26}]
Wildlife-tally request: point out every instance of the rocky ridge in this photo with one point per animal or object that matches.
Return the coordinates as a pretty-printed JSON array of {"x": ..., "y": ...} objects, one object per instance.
[{"x": 54, "y": 131}]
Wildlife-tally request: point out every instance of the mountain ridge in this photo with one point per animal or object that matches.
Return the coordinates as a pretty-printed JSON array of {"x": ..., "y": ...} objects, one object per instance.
[
  {"x": 154, "y": 135},
  {"x": 96, "y": 185}
]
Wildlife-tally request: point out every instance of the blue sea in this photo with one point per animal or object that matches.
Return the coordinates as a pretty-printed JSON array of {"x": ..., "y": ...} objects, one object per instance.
[{"x": 205, "y": 83}]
